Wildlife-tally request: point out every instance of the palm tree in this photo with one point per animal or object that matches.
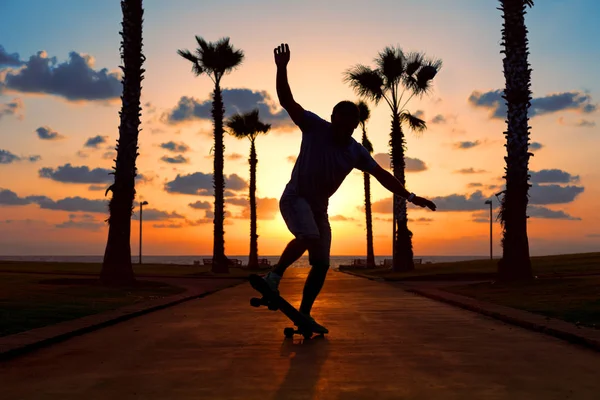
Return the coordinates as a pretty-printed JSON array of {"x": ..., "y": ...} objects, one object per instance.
[
  {"x": 515, "y": 264},
  {"x": 396, "y": 74},
  {"x": 116, "y": 266},
  {"x": 249, "y": 126},
  {"x": 364, "y": 115},
  {"x": 216, "y": 59}
]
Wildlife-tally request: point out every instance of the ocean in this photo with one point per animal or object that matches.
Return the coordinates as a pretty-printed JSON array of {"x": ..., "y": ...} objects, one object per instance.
[{"x": 189, "y": 260}]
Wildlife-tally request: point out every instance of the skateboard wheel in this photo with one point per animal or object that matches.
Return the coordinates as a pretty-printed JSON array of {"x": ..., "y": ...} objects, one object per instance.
[
  {"x": 255, "y": 302},
  {"x": 273, "y": 307},
  {"x": 288, "y": 332},
  {"x": 307, "y": 335}
]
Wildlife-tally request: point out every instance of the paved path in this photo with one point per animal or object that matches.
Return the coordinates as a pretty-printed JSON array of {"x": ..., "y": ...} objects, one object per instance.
[{"x": 384, "y": 343}]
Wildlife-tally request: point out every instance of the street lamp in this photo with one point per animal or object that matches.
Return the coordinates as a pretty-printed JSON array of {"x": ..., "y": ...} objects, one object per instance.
[
  {"x": 143, "y": 203},
  {"x": 490, "y": 203}
]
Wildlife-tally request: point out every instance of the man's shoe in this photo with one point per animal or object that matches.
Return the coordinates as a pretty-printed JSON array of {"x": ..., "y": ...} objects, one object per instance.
[
  {"x": 273, "y": 282},
  {"x": 317, "y": 328}
]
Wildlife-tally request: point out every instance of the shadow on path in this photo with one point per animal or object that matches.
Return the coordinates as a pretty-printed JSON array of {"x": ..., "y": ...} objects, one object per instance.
[{"x": 306, "y": 359}]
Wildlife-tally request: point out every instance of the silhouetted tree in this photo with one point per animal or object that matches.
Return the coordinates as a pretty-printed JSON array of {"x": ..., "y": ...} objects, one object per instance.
[
  {"x": 364, "y": 115},
  {"x": 515, "y": 264},
  {"x": 116, "y": 266},
  {"x": 216, "y": 59},
  {"x": 395, "y": 75},
  {"x": 249, "y": 126}
]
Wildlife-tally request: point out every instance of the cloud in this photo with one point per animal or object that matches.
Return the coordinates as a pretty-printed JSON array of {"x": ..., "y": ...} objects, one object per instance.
[
  {"x": 14, "y": 107},
  {"x": 71, "y": 204},
  {"x": 412, "y": 164},
  {"x": 467, "y": 145},
  {"x": 234, "y": 156},
  {"x": 292, "y": 159},
  {"x": 95, "y": 141},
  {"x": 236, "y": 201},
  {"x": 552, "y": 176},
  {"x": 6, "y": 157},
  {"x": 74, "y": 79},
  {"x": 422, "y": 220},
  {"x": 70, "y": 174},
  {"x": 470, "y": 171},
  {"x": 9, "y": 60},
  {"x": 199, "y": 183},
  {"x": 178, "y": 159},
  {"x": 10, "y": 198},
  {"x": 475, "y": 185},
  {"x": 235, "y": 100},
  {"x": 582, "y": 123},
  {"x": 341, "y": 218},
  {"x": 419, "y": 114},
  {"x": 543, "y": 212},
  {"x": 200, "y": 205},
  {"x": 593, "y": 235},
  {"x": 535, "y": 146},
  {"x": 96, "y": 188},
  {"x": 553, "y": 194},
  {"x": 85, "y": 222},
  {"x": 109, "y": 155},
  {"x": 152, "y": 214},
  {"x": 266, "y": 208},
  {"x": 493, "y": 101},
  {"x": 46, "y": 133},
  {"x": 438, "y": 119},
  {"x": 175, "y": 147}
]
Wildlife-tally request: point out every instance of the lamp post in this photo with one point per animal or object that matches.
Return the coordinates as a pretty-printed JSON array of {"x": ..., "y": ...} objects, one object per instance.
[
  {"x": 143, "y": 203},
  {"x": 490, "y": 203}
]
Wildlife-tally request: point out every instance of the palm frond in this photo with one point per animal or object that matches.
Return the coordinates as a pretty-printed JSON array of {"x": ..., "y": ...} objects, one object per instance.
[
  {"x": 366, "y": 82},
  {"x": 426, "y": 74},
  {"x": 529, "y": 3},
  {"x": 196, "y": 67},
  {"x": 363, "y": 111},
  {"x": 416, "y": 124},
  {"x": 414, "y": 61},
  {"x": 392, "y": 64},
  {"x": 247, "y": 125}
]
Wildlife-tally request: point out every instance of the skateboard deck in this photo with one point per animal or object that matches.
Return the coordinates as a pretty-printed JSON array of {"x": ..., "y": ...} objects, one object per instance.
[{"x": 275, "y": 302}]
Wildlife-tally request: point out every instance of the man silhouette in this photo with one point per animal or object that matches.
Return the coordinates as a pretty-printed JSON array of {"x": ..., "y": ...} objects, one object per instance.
[{"x": 328, "y": 153}]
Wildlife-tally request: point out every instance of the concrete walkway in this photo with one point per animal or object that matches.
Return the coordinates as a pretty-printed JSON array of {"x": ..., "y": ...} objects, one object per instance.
[{"x": 384, "y": 343}]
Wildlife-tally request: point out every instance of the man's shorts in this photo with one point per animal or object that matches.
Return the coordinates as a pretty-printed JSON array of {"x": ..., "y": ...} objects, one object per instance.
[{"x": 306, "y": 222}]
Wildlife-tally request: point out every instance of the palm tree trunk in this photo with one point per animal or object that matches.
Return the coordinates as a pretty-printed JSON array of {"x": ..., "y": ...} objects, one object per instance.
[
  {"x": 116, "y": 266},
  {"x": 219, "y": 264},
  {"x": 369, "y": 216},
  {"x": 402, "y": 241},
  {"x": 368, "y": 212},
  {"x": 253, "y": 259},
  {"x": 515, "y": 264}
]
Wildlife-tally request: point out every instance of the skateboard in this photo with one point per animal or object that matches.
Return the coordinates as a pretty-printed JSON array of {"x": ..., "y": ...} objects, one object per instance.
[{"x": 275, "y": 302}]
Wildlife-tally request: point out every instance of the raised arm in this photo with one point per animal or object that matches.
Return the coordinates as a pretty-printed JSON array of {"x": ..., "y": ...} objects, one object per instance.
[{"x": 284, "y": 93}]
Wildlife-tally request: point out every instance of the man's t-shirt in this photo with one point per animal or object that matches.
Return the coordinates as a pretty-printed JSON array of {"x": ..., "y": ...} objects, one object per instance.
[{"x": 322, "y": 165}]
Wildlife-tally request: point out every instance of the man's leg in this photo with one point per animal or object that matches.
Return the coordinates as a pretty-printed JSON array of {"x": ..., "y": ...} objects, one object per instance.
[
  {"x": 293, "y": 251},
  {"x": 298, "y": 217},
  {"x": 318, "y": 251}
]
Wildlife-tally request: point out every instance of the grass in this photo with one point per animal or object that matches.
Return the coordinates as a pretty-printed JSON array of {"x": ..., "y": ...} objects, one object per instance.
[
  {"x": 575, "y": 300},
  {"x": 546, "y": 265},
  {"x": 29, "y": 301},
  {"x": 93, "y": 269}
]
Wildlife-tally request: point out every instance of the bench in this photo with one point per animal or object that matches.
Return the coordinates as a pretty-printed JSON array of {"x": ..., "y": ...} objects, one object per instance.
[
  {"x": 388, "y": 262},
  {"x": 264, "y": 262}
]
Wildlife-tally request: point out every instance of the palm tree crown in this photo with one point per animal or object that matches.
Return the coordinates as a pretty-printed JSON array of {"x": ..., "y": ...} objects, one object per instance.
[
  {"x": 247, "y": 125},
  {"x": 213, "y": 58}
]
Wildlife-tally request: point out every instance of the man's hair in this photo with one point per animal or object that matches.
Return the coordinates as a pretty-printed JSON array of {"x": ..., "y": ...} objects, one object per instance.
[{"x": 347, "y": 108}]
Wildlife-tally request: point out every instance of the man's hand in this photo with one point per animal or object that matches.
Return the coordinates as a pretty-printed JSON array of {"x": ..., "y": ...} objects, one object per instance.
[
  {"x": 422, "y": 202},
  {"x": 282, "y": 55}
]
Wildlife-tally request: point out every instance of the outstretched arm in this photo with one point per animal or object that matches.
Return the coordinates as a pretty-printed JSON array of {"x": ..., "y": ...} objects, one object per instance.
[
  {"x": 295, "y": 110},
  {"x": 392, "y": 184}
]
